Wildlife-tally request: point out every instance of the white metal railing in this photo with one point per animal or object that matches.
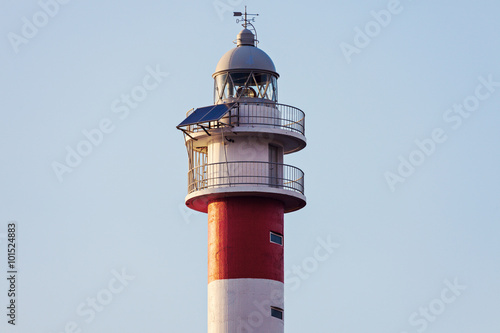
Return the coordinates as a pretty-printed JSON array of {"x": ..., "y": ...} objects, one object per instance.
[
  {"x": 225, "y": 174},
  {"x": 259, "y": 114}
]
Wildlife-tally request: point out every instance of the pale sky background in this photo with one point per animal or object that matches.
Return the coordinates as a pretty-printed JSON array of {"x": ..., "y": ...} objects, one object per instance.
[{"x": 121, "y": 208}]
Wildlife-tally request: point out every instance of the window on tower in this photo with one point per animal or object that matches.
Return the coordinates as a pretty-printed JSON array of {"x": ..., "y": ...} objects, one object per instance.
[
  {"x": 276, "y": 238},
  {"x": 276, "y": 312}
]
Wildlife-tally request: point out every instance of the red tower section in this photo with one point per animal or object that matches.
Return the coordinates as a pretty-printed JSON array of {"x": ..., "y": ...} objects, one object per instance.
[{"x": 239, "y": 245}]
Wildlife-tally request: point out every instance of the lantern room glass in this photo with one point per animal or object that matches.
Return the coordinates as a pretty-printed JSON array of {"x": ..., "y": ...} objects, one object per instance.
[{"x": 245, "y": 84}]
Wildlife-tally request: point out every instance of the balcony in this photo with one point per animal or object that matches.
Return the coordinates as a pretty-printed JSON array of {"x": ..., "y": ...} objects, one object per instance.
[
  {"x": 244, "y": 174},
  {"x": 261, "y": 114}
]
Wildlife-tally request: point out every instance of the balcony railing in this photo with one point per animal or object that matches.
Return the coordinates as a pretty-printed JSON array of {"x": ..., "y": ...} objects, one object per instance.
[
  {"x": 228, "y": 174},
  {"x": 274, "y": 115}
]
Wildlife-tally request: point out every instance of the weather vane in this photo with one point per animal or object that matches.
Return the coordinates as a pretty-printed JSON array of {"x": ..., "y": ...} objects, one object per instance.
[{"x": 245, "y": 19}]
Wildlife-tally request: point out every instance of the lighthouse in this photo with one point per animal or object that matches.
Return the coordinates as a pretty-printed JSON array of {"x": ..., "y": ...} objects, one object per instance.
[{"x": 237, "y": 175}]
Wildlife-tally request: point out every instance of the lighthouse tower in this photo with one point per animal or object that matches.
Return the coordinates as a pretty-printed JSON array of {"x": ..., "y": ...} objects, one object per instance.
[{"x": 237, "y": 175}]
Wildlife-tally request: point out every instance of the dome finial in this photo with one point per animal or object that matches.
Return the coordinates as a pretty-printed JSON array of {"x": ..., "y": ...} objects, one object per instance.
[{"x": 245, "y": 37}]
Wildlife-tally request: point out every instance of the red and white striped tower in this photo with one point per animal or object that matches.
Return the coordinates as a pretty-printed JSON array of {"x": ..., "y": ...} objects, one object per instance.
[{"x": 237, "y": 176}]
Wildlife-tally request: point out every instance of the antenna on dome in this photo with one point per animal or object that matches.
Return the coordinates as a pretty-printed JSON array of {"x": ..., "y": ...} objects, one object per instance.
[{"x": 246, "y": 21}]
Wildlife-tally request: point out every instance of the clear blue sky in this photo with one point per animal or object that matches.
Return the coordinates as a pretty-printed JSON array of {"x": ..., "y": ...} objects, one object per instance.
[{"x": 372, "y": 86}]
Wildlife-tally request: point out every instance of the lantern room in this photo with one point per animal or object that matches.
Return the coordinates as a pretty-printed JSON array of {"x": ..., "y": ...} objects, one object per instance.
[{"x": 245, "y": 73}]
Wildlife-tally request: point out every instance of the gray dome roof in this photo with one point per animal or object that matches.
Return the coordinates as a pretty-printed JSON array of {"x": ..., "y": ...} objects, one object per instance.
[{"x": 245, "y": 56}]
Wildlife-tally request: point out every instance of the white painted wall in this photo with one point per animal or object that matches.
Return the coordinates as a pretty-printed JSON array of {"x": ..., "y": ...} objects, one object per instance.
[
  {"x": 244, "y": 305},
  {"x": 243, "y": 147}
]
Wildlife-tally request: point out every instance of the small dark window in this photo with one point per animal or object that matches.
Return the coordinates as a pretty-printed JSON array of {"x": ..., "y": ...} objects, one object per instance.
[
  {"x": 276, "y": 238},
  {"x": 277, "y": 312}
]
